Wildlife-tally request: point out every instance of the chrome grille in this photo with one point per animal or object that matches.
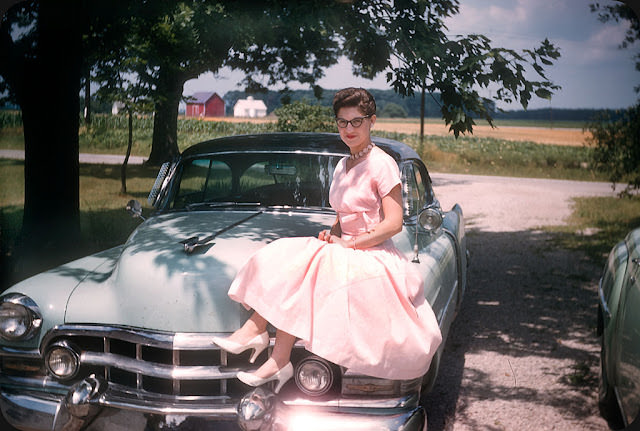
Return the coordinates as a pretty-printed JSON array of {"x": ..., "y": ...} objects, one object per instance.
[{"x": 176, "y": 364}]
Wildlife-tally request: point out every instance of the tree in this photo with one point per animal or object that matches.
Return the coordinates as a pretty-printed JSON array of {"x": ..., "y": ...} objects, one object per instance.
[
  {"x": 31, "y": 65},
  {"x": 128, "y": 90},
  {"x": 42, "y": 49},
  {"x": 617, "y": 142},
  {"x": 284, "y": 40},
  {"x": 393, "y": 110}
]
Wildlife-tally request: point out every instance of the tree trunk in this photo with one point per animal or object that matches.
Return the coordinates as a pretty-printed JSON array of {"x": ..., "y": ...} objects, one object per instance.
[
  {"x": 123, "y": 169},
  {"x": 51, "y": 222},
  {"x": 164, "y": 145},
  {"x": 422, "y": 104}
]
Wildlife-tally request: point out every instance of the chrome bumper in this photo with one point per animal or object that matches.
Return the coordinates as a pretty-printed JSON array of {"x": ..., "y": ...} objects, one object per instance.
[{"x": 93, "y": 405}]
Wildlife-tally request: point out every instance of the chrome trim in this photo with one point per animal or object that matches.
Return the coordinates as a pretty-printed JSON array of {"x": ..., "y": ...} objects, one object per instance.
[
  {"x": 255, "y": 151},
  {"x": 458, "y": 249},
  {"x": 603, "y": 300},
  {"x": 42, "y": 384},
  {"x": 35, "y": 411},
  {"x": 165, "y": 340},
  {"x": 408, "y": 401},
  {"x": 196, "y": 372},
  {"x": 20, "y": 353}
]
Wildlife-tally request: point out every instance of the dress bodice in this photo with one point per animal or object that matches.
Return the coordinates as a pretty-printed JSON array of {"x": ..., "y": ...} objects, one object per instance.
[{"x": 356, "y": 194}]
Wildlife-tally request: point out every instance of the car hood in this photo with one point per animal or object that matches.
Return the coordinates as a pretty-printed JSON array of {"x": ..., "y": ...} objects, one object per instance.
[{"x": 156, "y": 285}]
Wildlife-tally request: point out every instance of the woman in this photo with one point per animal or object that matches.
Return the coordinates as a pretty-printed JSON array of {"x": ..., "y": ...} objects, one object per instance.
[{"x": 349, "y": 294}]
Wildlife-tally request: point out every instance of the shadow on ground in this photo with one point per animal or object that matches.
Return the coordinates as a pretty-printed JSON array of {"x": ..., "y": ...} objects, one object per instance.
[{"x": 526, "y": 298}]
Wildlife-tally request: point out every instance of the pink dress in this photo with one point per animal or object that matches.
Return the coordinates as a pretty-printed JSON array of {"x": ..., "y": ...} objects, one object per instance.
[{"x": 361, "y": 309}]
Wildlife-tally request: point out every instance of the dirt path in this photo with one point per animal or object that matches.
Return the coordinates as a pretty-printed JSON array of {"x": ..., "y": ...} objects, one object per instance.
[{"x": 522, "y": 354}]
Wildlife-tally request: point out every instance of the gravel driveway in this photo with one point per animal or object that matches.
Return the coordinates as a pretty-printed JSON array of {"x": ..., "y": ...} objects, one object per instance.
[{"x": 522, "y": 354}]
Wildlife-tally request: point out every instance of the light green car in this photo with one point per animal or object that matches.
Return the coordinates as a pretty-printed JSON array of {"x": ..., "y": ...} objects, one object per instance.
[
  {"x": 619, "y": 328},
  {"x": 123, "y": 339}
]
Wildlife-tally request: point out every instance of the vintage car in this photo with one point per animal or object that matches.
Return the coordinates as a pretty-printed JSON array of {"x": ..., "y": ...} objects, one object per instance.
[
  {"x": 619, "y": 328},
  {"x": 123, "y": 339}
]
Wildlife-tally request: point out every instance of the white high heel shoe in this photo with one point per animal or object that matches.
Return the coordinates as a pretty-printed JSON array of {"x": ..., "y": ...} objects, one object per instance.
[
  {"x": 282, "y": 376},
  {"x": 257, "y": 343}
]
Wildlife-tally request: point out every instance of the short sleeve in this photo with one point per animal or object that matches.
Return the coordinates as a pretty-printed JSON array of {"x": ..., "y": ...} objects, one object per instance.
[{"x": 387, "y": 174}]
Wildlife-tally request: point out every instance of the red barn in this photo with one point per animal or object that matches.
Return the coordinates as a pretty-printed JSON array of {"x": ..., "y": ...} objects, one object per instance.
[{"x": 205, "y": 105}]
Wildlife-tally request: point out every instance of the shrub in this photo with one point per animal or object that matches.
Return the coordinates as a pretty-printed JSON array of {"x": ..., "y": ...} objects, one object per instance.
[
  {"x": 302, "y": 117},
  {"x": 617, "y": 147}
]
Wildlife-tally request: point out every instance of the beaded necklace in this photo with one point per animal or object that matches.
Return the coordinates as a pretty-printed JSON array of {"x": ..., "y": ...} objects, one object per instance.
[{"x": 362, "y": 153}]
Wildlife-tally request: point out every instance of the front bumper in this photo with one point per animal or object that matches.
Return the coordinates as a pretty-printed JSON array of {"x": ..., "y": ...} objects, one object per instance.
[{"x": 92, "y": 404}]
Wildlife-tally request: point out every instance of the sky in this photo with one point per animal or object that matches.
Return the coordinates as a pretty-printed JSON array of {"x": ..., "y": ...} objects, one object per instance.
[{"x": 592, "y": 71}]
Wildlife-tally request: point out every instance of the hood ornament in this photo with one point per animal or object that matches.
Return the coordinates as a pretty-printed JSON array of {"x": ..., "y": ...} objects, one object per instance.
[{"x": 194, "y": 243}]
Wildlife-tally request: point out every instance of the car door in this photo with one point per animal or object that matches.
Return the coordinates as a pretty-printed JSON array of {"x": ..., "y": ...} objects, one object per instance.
[{"x": 629, "y": 334}]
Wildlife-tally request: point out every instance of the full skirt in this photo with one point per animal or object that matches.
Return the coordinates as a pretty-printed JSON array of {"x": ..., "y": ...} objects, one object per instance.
[{"x": 361, "y": 309}]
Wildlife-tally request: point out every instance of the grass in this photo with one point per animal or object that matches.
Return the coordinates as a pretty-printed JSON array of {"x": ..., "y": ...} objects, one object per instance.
[{"x": 597, "y": 224}]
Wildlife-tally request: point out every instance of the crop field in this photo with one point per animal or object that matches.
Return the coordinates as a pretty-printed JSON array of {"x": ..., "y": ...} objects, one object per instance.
[{"x": 573, "y": 135}]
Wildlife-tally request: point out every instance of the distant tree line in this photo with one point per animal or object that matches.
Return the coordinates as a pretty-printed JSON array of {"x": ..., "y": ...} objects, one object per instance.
[{"x": 389, "y": 100}]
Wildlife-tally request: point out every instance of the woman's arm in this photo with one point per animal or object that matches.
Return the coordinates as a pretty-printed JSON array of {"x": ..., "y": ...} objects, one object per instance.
[{"x": 388, "y": 227}]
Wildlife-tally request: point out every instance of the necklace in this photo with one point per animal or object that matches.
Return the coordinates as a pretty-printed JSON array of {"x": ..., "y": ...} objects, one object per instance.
[{"x": 362, "y": 153}]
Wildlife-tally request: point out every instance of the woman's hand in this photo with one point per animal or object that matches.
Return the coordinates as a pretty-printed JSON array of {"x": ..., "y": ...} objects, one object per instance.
[{"x": 325, "y": 235}]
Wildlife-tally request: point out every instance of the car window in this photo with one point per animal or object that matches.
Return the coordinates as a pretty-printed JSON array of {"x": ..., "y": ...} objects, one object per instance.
[{"x": 287, "y": 179}]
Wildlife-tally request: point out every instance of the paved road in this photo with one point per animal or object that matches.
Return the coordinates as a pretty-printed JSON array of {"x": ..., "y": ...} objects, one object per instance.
[{"x": 107, "y": 159}]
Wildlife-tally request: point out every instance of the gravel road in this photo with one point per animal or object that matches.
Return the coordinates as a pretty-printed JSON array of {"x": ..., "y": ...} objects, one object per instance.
[{"x": 522, "y": 354}]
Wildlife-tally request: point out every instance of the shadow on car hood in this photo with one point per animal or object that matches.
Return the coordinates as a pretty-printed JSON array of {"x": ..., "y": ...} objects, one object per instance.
[{"x": 156, "y": 285}]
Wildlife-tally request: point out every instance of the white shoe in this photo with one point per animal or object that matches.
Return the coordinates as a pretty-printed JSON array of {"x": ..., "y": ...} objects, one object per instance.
[
  {"x": 257, "y": 343},
  {"x": 282, "y": 376}
]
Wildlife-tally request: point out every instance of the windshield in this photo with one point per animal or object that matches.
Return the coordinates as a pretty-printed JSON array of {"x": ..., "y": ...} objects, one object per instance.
[{"x": 266, "y": 179}]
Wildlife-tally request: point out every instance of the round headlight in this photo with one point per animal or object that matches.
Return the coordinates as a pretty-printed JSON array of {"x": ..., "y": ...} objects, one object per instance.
[
  {"x": 314, "y": 376},
  {"x": 19, "y": 317},
  {"x": 62, "y": 360}
]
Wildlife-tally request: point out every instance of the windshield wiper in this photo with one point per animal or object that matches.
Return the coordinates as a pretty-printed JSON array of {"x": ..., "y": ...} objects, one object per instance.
[{"x": 193, "y": 206}]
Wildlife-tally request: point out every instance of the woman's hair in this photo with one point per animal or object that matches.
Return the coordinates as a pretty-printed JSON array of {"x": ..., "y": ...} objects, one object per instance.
[{"x": 354, "y": 97}]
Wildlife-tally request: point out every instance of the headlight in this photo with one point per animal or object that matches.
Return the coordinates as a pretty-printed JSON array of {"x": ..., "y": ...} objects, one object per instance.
[
  {"x": 20, "y": 317},
  {"x": 314, "y": 376},
  {"x": 62, "y": 360}
]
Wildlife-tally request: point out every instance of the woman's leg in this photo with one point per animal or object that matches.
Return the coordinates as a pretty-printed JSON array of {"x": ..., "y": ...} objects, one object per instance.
[
  {"x": 255, "y": 325},
  {"x": 280, "y": 356}
]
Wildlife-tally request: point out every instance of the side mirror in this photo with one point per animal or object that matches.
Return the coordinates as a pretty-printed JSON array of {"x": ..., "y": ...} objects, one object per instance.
[
  {"x": 430, "y": 219},
  {"x": 135, "y": 209}
]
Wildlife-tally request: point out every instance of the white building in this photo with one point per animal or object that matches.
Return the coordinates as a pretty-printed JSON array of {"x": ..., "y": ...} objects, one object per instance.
[{"x": 249, "y": 107}]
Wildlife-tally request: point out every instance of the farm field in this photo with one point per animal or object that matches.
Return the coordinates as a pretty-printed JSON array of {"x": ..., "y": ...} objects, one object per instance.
[{"x": 573, "y": 136}]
